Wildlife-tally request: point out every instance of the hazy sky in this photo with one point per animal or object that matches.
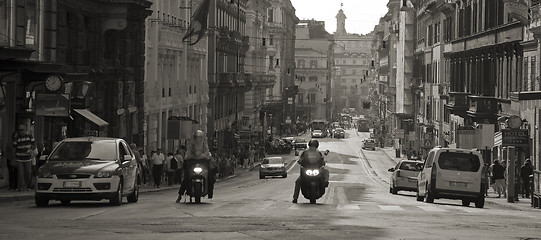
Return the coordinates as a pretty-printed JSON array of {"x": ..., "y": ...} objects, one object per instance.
[{"x": 361, "y": 15}]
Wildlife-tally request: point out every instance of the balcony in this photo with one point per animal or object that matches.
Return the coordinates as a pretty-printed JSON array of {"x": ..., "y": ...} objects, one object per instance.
[
  {"x": 236, "y": 81},
  {"x": 458, "y": 103},
  {"x": 482, "y": 106}
]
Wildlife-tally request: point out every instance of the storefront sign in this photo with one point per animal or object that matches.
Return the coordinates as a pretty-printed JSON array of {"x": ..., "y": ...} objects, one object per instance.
[
  {"x": 517, "y": 9},
  {"x": 515, "y": 137},
  {"x": 53, "y": 105}
]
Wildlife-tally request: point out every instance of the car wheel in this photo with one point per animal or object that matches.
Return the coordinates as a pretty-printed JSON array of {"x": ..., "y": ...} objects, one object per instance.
[
  {"x": 419, "y": 198},
  {"x": 116, "y": 200},
  {"x": 480, "y": 202},
  {"x": 394, "y": 191},
  {"x": 261, "y": 176},
  {"x": 284, "y": 175},
  {"x": 430, "y": 197},
  {"x": 65, "y": 202},
  {"x": 134, "y": 196},
  {"x": 465, "y": 203},
  {"x": 41, "y": 202}
]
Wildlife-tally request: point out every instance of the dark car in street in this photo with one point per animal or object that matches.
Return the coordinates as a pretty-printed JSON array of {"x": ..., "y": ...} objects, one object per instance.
[
  {"x": 89, "y": 168},
  {"x": 339, "y": 133}
]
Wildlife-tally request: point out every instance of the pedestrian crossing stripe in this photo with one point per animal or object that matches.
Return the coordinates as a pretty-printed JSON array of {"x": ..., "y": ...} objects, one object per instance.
[
  {"x": 348, "y": 207},
  {"x": 390, "y": 208},
  {"x": 432, "y": 209}
]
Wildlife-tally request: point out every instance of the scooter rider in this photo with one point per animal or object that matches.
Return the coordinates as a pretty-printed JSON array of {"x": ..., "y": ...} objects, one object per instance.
[
  {"x": 311, "y": 157},
  {"x": 197, "y": 149}
]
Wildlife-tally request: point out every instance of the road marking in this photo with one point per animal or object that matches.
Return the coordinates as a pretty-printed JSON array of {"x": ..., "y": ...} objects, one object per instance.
[
  {"x": 342, "y": 199},
  {"x": 292, "y": 165},
  {"x": 89, "y": 215},
  {"x": 348, "y": 207},
  {"x": 390, "y": 208},
  {"x": 432, "y": 209}
]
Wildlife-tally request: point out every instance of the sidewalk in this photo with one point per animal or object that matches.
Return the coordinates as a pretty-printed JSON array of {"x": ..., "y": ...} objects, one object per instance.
[
  {"x": 9, "y": 195},
  {"x": 524, "y": 204}
]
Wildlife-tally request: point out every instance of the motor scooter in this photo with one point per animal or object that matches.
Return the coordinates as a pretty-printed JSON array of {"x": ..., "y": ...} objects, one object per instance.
[
  {"x": 198, "y": 178},
  {"x": 312, "y": 186}
]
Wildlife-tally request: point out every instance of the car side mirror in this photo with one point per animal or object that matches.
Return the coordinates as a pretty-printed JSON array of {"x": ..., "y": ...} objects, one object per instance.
[
  {"x": 43, "y": 157},
  {"x": 126, "y": 158},
  {"x": 391, "y": 170},
  {"x": 326, "y": 152}
]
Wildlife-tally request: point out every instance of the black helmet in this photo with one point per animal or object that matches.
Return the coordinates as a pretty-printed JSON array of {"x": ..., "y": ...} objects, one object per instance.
[{"x": 313, "y": 143}]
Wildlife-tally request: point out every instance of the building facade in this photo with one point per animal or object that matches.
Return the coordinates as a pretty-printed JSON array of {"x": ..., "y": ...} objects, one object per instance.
[
  {"x": 350, "y": 76},
  {"x": 176, "y": 82},
  {"x": 71, "y": 68},
  {"x": 314, "y": 56}
]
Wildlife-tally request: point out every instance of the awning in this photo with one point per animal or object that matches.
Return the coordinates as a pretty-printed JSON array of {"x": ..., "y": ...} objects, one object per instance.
[{"x": 91, "y": 117}]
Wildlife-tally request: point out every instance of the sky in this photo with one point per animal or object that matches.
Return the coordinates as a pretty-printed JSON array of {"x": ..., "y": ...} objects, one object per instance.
[{"x": 361, "y": 15}]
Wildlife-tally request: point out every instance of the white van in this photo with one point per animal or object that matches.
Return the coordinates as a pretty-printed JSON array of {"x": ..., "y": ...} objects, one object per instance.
[{"x": 453, "y": 174}]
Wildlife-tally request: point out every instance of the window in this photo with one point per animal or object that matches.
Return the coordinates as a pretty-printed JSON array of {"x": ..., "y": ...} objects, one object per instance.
[
  {"x": 312, "y": 98},
  {"x": 3, "y": 22},
  {"x": 300, "y": 98},
  {"x": 436, "y": 32},
  {"x": 270, "y": 15},
  {"x": 456, "y": 161},
  {"x": 526, "y": 75},
  {"x": 429, "y": 35},
  {"x": 271, "y": 40},
  {"x": 271, "y": 61},
  {"x": 72, "y": 151},
  {"x": 301, "y": 64},
  {"x": 301, "y": 78},
  {"x": 429, "y": 159},
  {"x": 313, "y": 63},
  {"x": 534, "y": 80},
  {"x": 344, "y": 62}
]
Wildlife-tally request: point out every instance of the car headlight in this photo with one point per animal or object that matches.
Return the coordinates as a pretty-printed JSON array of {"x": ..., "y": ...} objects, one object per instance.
[
  {"x": 104, "y": 174},
  {"x": 45, "y": 173},
  {"x": 197, "y": 170}
]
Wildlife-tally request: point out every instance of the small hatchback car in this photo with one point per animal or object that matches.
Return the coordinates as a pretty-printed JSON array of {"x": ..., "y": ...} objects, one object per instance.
[
  {"x": 272, "y": 166},
  {"x": 404, "y": 176},
  {"x": 369, "y": 144},
  {"x": 453, "y": 174},
  {"x": 89, "y": 168}
]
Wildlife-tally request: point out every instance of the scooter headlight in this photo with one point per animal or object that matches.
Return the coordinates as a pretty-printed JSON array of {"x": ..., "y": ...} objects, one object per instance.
[
  {"x": 312, "y": 173},
  {"x": 197, "y": 170},
  {"x": 315, "y": 172},
  {"x": 309, "y": 172}
]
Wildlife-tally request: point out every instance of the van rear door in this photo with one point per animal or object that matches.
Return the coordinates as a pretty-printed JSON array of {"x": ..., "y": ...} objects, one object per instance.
[{"x": 459, "y": 171}]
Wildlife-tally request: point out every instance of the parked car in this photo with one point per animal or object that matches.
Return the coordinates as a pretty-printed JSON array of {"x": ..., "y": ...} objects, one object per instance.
[
  {"x": 404, "y": 177},
  {"x": 369, "y": 144},
  {"x": 453, "y": 174},
  {"x": 339, "y": 133},
  {"x": 317, "y": 134},
  {"x": 89, "y": 168},
  {"x": 272, "y": 166}
]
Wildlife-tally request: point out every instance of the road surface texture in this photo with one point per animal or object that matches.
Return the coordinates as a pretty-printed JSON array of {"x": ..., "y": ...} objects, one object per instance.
[{"x": 357, "y": 205}]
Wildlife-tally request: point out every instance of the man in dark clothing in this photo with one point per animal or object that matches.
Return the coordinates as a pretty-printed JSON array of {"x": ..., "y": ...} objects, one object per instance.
[
  {"x": 525, "y": 171},
  {"x": 498, "y": 176},
  {"x": 312, "y": 157}
]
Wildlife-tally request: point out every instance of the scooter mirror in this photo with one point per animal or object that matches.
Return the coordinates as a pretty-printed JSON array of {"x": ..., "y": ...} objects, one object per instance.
[{"x": 326, "y": 152}]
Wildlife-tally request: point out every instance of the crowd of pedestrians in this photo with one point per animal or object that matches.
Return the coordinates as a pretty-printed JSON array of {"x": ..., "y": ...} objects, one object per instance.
[{"x": 498, "y": 174}]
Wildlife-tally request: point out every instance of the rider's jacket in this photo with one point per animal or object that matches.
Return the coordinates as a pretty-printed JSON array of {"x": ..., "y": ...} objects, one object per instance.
[{"x": 312, "y": 159}]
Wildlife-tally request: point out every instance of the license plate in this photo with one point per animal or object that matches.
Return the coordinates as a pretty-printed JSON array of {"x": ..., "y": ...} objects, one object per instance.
[
  {"x": 458, "y": 184},
  {"x": 72, "y": 184}
]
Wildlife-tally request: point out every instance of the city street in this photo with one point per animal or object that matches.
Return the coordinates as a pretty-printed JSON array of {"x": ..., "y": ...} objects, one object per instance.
[{"x": 357, "y": 205}]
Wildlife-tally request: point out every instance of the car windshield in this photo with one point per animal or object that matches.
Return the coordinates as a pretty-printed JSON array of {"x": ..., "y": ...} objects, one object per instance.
[
  {"x": 370, "y": 141},
  {"x": 464, "y": 162},
  {"x": 272, "y": 161},
  {"x": 70, "y": 151},
  {"x": 410, "y": 166},
  {"x": 317, "y": 131}
]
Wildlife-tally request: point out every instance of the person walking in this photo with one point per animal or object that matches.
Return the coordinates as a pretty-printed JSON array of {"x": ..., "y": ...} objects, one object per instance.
[
  {"x": 171, "y": 164},
  {"x": 498, "y": 176},
  {"x": 145, "y": 167},
  {"x": 158, "y": 160},
  {"x": 181, "y": 152},
  {"x": 525, "y": 171},
  {"x": 23, "y": 142}
]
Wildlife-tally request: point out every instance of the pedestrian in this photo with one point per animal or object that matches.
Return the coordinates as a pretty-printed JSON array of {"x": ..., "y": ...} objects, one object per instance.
[
  {"x": 525, "y": 171},
  {"x": 498, "y": 177},
  {"x": 158, "y": 160},
  {"x": 12, "y": 167},
  {"x": 23, "y": 142},
  {"x": 145, "y": 171},
  {"x": 171, "y": 168},
  {"x": 137, "y": 155},
  {"x": 251, "y": 157},
  {"x": 180, "y": 159},
  {"x": 34, "y": 166}
]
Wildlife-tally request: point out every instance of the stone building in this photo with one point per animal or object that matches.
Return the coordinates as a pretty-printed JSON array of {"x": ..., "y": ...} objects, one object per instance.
[
  {"x": 314, "y": 56},
  {"x": 176, "y": 82},
  {"x": 71, "y": 68}
]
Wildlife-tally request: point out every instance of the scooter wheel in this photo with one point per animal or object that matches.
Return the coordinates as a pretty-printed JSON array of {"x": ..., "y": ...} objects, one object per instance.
[{"x": 313, "y": 201}]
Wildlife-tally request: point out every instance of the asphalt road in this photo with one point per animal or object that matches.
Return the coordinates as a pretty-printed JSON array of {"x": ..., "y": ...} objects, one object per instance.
[{"x": 357, "y": 205}]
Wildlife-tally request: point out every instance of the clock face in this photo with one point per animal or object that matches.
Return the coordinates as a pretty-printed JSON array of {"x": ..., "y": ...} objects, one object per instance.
[{"x": 53, "y": 83}]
